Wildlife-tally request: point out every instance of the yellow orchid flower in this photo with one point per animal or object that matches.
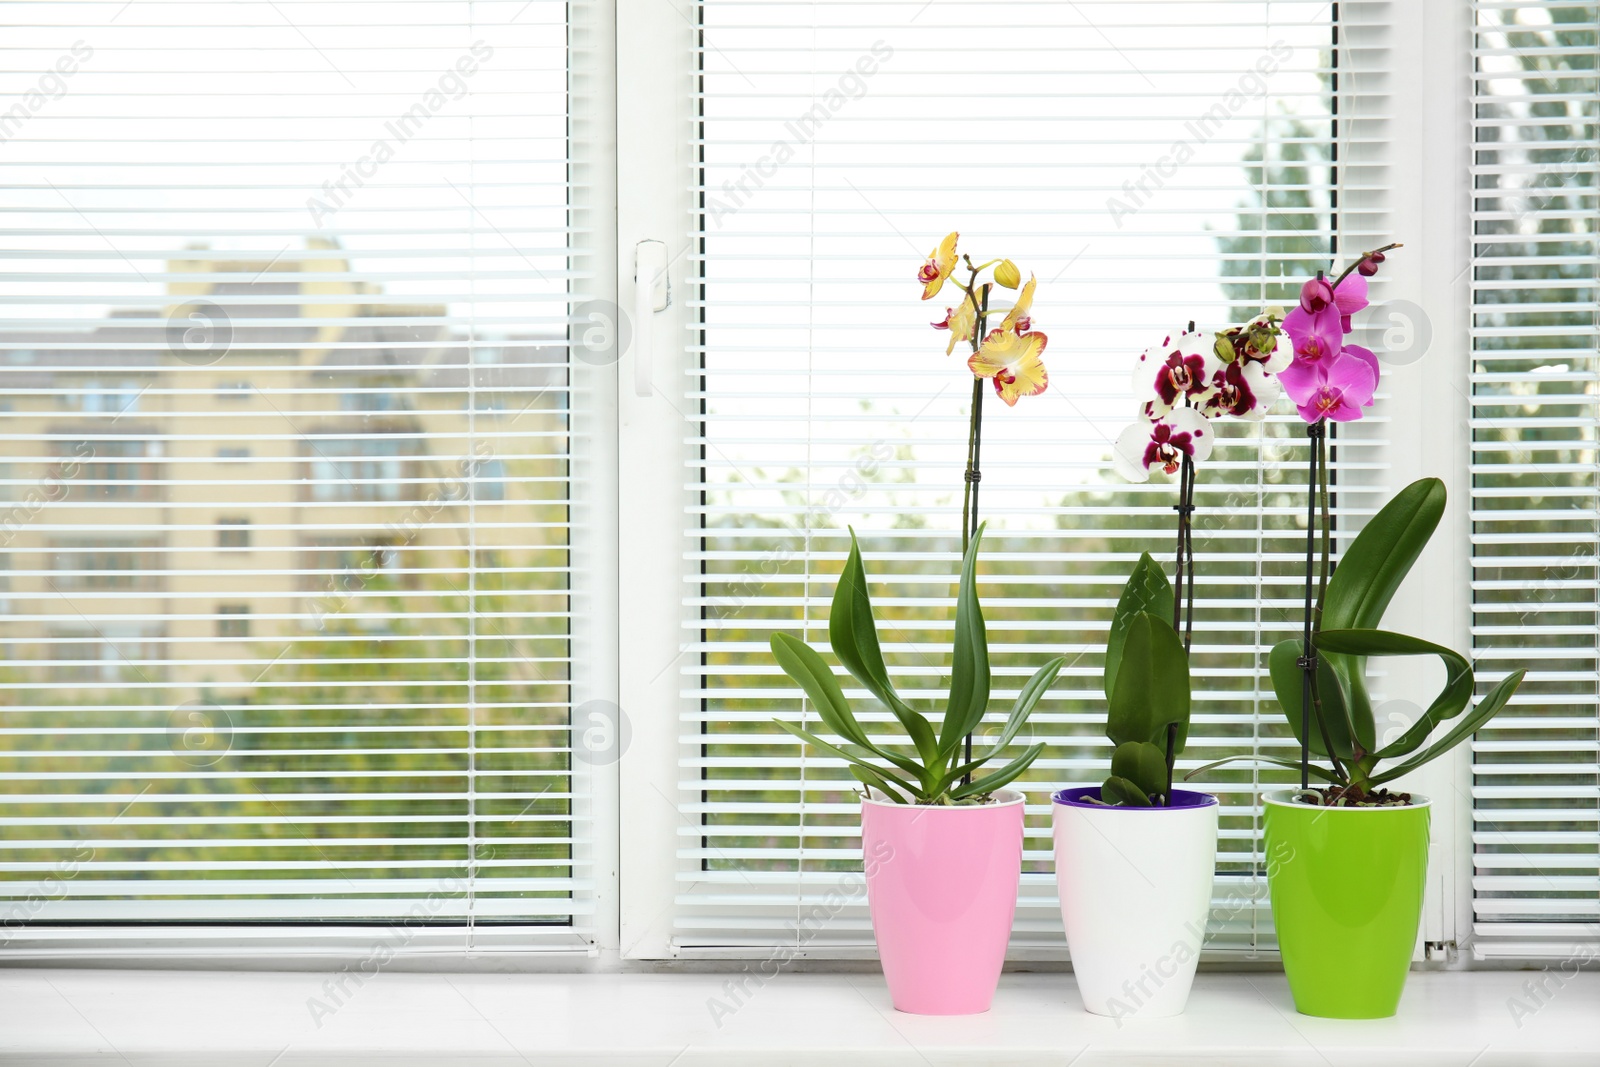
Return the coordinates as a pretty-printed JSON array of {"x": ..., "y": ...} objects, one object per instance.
[
  {"x": 1013, "y": 360},
  {"x": 959, "y": 320},
  {"x": 941, "y": 261},
  {"x": 1017, "y": 318}
]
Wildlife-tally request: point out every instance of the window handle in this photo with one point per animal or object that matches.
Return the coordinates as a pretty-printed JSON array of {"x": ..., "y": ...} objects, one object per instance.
[{"x": 651, "y": 293}]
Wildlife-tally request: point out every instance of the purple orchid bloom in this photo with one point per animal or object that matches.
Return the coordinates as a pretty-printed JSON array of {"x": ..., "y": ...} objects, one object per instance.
[
  {"x": 1349, "y": 298},
  {"x": 1336, "y": 388}
]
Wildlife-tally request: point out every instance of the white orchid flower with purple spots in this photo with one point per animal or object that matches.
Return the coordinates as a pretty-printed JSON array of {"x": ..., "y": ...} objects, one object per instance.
[
  {"x": 1162, "y": 442},
  {"x": 1179, "y": 368},
  {"x": 1242, "y": 389}
]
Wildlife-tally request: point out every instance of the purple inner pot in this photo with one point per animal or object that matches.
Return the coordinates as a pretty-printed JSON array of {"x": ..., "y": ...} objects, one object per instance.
[{"x": 1181, "y": 798}]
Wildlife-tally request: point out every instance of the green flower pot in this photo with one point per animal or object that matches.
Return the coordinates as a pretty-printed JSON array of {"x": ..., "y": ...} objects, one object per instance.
[{"x": 1346, "y": 887}]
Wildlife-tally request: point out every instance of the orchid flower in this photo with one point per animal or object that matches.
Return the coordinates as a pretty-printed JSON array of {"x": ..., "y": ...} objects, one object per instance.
[
  {"x": 941, "y": 261},
  {"x": 1336, "y": 388},
  {"x": 1013, "y": 361},
  {"x": 1328, "y": 378},
  {"x": 1018, "y": 317},
  {"x": 960, "y": 321},
  {"x": 1162, "y": 442},
  {"x": 1350, "y": 297},
  {"x": 1180, "y": 367},
  {"x": 1242, "y": 389}
]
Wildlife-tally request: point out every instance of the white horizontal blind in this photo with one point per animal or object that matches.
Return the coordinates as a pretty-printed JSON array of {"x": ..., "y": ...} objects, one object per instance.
[
  {"x": 1536, "y": 373},
  {"x": 284, "y": 434},
  {"x": 1149, "y": 162}
]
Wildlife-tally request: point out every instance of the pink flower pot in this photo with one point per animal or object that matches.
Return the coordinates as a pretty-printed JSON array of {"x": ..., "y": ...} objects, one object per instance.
[{"x": 942, "y": 887}]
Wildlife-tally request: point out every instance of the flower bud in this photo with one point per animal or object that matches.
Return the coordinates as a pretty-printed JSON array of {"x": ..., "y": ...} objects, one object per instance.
[
  {"x": 1315, "y": 295},
  {"x": 1224, "y": 348},
  {"x": 1369, "y": 265},
  {"x": 1007, "y": 274}
]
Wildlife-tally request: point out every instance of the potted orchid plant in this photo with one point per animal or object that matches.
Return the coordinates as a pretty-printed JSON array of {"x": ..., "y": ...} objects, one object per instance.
[
  {"x": 1135, "y": 857},
  {"x": 1347, "y": 892},
  {"x": 943, "y": 833}
]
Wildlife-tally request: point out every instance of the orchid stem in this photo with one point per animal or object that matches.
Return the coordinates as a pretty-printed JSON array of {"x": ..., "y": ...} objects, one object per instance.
[
  {"x": 1357, "y": 261},
  {"x": 973, "y": 475}
]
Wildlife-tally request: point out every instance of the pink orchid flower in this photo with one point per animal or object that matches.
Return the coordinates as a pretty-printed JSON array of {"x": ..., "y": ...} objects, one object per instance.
[{"x": 1336, "y": 388}]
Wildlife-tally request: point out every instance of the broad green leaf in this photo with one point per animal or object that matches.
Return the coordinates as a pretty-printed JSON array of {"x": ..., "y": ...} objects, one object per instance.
[
  {"x": 1152, "y": 685},
  {"x": 1368, "y": 575},
  {"x": 1288, "y": 682},
  {"x": 807, "y": 667},
  {"x": 1450, "y": 702},
  {"x": 1147, "y": 589},
  {"x": 854, "y": 760},
  {"x": 1141, "y": 763},
  {"x": 1116, "y": 790},
  {"x": 969, "y": 669},
  {"x": 989, "y": 783},
  {"x": 854, "y": 637},
  {"x": 1381, "y": 556},
  {"x": 1487, "y": 709},
  {"x": 1293, "y": 765}
]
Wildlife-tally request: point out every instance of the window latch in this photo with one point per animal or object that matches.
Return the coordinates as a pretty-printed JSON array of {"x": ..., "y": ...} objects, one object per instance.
[{"x": 651, "y": 293}]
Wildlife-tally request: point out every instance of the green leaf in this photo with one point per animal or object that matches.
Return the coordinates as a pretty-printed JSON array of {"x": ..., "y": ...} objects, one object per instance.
[
  {"x": 1288, "y": 682},
  {"x": 969, "y": 669},
  {"x": 1152, "y": 685},
  {"x": 1116, "y": 790},
  {"x": 1450, "y": 702},
  {"x": 1141, "y": 763},
  {"x": 1148, "y": 590},
  {"x": 854, "y": 637},
  {"x": 806, "y": 666},
  {"x": 989, "y": 783},
  {"x": 1293, "y": 765},
  {"x": 855, "y": 761},
  {"x": 1379, "y": 559},
  {"x": 1025, "y": 702},
  {"x": 1368, "y": 575},
  {"x": 872, "y": 779},
  {"x": 1487, "y": 709}
]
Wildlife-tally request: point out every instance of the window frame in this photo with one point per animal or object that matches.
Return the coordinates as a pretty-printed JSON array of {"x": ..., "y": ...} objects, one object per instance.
[{"x": 630, "y": 451}]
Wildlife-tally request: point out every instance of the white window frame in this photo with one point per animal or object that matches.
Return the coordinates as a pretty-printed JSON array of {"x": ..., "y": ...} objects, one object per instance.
[
  {"x": 635, "y": 61},
  {"x": 1426, "y": 60}
]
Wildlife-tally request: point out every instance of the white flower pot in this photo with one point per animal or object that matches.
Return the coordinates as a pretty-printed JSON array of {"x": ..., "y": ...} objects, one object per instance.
[{"x": 1135, "y": 889}]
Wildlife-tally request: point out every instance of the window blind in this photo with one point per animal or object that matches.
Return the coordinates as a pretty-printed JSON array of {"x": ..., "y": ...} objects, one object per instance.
[
  {"x": 285, "y": 421},
  {"x": 1148, "y": 162},
  {"x": 1536, "y": 767}
]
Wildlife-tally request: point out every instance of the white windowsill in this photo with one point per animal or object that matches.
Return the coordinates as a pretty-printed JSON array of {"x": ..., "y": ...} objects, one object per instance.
[{"x": 64, "y": 1018}]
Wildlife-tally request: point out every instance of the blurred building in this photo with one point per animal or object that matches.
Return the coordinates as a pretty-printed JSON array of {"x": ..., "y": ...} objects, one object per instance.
[{"x": 186, "y": 489}]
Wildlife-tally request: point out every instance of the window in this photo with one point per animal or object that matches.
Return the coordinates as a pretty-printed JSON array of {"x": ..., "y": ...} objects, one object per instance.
[
  {"x": 250, "y": 317},
  {"x": 110, "y": 468},
  {"x": 339, "y": 594},
  {"x": 1536, "y": 768},
  {"x": 1204, "y": 187},
  {"x": 233, "y": 620},
  {"x": 233, "y": 533}
]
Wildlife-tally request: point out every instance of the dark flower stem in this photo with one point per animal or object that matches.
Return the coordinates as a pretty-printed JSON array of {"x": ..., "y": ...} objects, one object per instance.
[{"x": 973, "y": 474}]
